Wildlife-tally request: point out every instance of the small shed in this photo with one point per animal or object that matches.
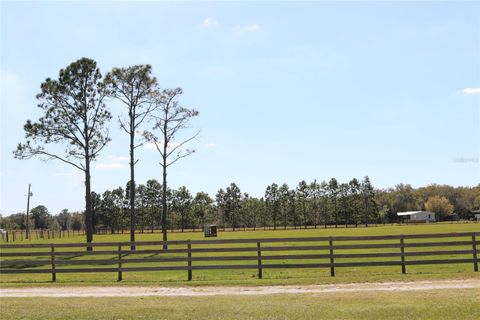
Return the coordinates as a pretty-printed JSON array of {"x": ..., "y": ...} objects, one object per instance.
[
  {"x": 476, "y": 214},
  {"x": 418, "y": 216},
  {"x": 210, "y": 230}
]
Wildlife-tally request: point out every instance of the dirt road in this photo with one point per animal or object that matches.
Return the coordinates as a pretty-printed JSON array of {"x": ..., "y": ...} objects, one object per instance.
[{"x": 135, "y": 291}]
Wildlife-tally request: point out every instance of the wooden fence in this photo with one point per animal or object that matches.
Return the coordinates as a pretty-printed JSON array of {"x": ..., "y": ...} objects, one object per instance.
[
  {"x": 313, "y": 252},
  {"x": 13, "y": 235},
  {"x": 21, "y": 235}
]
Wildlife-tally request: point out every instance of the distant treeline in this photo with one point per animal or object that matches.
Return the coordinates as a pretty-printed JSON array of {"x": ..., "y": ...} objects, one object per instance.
[{"x": 355, "y": 202}]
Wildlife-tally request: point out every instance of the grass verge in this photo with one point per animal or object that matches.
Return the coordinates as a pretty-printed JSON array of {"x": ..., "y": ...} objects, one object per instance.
[{"x": 432, "y": 304}]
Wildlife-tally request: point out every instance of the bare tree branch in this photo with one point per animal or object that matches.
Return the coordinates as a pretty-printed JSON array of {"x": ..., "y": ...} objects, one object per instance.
[
  {"x": 169, "y": 118},
  {"x": 188, "y": 152},
  {"x": 183, "y": 143}
]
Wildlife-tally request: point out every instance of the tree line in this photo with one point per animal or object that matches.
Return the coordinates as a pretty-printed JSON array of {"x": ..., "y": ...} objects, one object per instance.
[
  {"x": 41, "y": 219},
  {"x": 446, "y": 201},
  {"x": 308, "y": 204}
]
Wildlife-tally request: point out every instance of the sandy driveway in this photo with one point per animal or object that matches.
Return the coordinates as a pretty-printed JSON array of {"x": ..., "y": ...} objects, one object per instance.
[{"x": 127, "y": 291}]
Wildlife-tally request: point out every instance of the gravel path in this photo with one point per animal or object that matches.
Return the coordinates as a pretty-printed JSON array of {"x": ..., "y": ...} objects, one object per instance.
[{"x": 136, "y": 291}]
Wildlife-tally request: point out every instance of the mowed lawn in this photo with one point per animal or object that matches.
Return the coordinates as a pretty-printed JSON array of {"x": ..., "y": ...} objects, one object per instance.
[
  {"x": 433, "y": 304},
  {"x": 270, "y": 276}
]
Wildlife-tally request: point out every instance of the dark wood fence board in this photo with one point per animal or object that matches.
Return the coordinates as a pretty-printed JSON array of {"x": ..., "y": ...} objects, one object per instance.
[{"x": 443, "y": 261}]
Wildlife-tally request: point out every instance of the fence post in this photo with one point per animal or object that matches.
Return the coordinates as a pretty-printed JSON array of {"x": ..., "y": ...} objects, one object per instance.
[
  {"x": 259, "y": 255},
  {"x": 332, "y": 262},
  {"x": 474, "y": 247},
  {"x": 14, "y": 233},
  {"x": 119, "y": 262},
  {"x": 402, "y": 253},
  {"x": 189, "y": 263},
  {"x": 6, "y": 235},
  {"x": 54, "y": 274}
]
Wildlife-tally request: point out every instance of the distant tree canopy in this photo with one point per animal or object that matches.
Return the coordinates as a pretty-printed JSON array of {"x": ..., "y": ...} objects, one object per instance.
[
  {"x": 440, "y": 205},
  {"x": 403, "y": 197},
  {"x": 311, "y": 204},
  {"x": 41, "y": 217},
  {"x": 64, "y": 219}
]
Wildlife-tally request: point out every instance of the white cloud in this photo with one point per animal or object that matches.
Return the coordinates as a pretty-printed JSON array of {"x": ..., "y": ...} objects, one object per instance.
[
  {"x": 252, "y": 27},
  {"x": 112, "y": 165},
  {"x": 471, "y": 91},
  {"x": 211, "y": 145},
  {"x": 114, "y": 162},
  {"x": 118, "y": 158},
  {"x": 209, "y": 23}
]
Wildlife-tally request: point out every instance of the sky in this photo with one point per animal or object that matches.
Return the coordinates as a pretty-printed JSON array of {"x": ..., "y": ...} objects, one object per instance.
[{"x": 287, "y": 91}]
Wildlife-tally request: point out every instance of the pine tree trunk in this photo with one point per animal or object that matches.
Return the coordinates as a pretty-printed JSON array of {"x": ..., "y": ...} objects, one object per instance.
[
  {"x": 88, "y": 203},
  {"x": 164, "y": 186},
  {"x": 164, "y": 203},
  {"x": 132, "y": 186}
]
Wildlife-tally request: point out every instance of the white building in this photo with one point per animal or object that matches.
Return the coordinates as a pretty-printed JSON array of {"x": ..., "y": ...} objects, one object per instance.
[{"x": 426, "y": 216}]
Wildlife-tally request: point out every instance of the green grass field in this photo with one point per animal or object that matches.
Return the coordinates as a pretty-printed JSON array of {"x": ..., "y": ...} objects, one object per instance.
[
  {"x": 271, "y": 276},
  {"x": 434, "y": 304},
  {"x": 425, "y": 304}
]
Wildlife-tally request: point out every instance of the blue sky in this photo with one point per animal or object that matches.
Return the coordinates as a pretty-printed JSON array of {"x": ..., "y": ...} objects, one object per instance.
[{"x": 286, "y": 91}]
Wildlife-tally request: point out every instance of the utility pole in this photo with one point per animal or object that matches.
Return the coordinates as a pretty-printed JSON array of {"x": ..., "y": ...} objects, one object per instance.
[{"x": 28, "y": 209}]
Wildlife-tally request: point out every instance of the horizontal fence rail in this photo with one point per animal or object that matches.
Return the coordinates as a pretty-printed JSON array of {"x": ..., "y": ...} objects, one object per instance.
[{"x": 256, "y": 254}]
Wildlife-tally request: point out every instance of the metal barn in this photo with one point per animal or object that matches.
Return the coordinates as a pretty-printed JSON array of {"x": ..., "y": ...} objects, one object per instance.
[{"x": 418, "y": 216}]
